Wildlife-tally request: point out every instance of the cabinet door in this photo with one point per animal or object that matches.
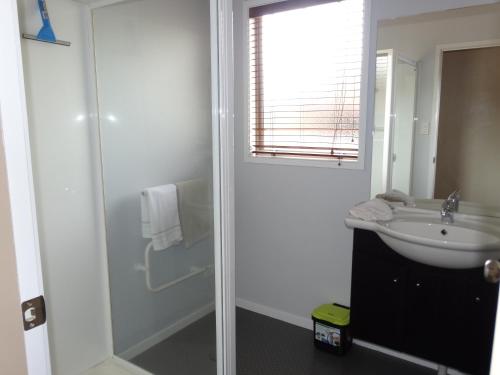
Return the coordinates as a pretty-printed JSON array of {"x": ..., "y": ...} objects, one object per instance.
[
  {"x": 421, "y": 328},
  {"x": 468, "y": 319},
  {"x": 376, "y": 301}
]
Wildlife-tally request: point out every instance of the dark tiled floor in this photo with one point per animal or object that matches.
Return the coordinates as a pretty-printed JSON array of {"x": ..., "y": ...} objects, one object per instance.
[
  {"x": 265, "y": 346},
  {"x": 188, "y": 352}
]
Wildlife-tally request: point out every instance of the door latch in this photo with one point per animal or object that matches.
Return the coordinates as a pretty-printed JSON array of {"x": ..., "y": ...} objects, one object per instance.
[{"x": 33, "y": 313}]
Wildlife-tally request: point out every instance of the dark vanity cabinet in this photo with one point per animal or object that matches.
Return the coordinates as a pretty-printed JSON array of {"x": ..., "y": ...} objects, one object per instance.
[{"x": 443, "y": 315}]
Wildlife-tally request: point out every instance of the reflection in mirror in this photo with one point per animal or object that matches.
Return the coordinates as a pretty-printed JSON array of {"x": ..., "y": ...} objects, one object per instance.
[
  {"x": 393, "y": 126},
  {"x": 437, "y": 105}
]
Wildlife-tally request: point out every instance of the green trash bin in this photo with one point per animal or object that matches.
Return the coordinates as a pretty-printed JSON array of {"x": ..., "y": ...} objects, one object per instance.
[{"x": 332, "y": 331}]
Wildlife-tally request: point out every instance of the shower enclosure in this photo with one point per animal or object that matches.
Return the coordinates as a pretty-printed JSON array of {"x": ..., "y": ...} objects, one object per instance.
[{"x": 133, "y": 103}]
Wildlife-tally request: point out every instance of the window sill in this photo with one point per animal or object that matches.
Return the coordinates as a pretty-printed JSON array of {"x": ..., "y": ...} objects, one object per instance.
[{"x": 297, "y": 162}]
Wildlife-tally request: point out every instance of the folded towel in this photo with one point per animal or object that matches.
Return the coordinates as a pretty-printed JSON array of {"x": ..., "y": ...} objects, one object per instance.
[
  {"x": 395, "y": 195},
  {"x": 195, "y": 208},
  {"x": 372, "y": 210},
  {"x": 160, "y": 216}
]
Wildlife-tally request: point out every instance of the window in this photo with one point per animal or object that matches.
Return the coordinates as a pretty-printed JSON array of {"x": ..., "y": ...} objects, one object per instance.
[{"x": 305, "y": 59}]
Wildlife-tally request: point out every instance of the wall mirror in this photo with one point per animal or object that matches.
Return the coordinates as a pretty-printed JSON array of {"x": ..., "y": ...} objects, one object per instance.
[{"x": 436, "y": 125}]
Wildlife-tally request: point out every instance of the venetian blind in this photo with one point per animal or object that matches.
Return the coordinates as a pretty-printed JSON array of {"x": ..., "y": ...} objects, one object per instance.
[{"x": 305, "y": 75}]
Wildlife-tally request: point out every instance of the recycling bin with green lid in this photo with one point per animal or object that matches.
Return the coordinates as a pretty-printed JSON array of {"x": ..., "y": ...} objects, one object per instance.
[{"x": 331, "y": 328}]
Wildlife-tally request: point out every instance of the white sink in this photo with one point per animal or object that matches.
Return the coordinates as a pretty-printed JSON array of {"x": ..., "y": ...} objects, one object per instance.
[{"x": 420, "y": 236}]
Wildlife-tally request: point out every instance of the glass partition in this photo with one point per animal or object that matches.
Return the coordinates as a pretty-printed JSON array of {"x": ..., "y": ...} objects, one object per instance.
[{"x": 154, "y": 95}]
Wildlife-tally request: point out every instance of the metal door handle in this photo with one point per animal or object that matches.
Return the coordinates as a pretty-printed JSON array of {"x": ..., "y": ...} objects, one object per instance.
[{"x": 492, "y": 271}]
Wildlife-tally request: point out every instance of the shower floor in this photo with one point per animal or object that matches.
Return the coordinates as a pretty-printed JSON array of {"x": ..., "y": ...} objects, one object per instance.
[
  {"x": 190, "y": 351},
  {"x": 265, "y": 346}
]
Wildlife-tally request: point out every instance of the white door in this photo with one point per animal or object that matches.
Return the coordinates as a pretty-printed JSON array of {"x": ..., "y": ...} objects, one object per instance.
[{"x": 14, "y": 126}]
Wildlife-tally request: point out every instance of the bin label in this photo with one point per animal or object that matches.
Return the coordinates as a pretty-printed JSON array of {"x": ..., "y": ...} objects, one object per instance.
[{"x": 328, "y": 335}]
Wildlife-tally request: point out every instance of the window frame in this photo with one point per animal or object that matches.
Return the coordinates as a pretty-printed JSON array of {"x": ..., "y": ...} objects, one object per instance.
[{"x": 328, "y": 163}]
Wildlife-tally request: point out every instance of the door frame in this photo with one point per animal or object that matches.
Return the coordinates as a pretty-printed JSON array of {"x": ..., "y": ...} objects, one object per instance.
[
  {"x": 223, "y": 134},
  {"x": 436, "y": 102},
  {"x": 14, "y": 126}
]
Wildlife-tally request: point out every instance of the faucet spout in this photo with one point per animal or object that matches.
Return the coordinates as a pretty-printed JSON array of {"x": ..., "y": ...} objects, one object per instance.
[{"x": 449, "y": 207}]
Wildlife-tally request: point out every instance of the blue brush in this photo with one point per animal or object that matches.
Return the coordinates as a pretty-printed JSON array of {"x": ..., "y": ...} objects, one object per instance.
[{"x": 46, "y": 33}]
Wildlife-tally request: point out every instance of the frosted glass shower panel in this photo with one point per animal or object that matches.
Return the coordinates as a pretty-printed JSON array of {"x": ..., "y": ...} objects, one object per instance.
[{"x": 154, "y": 94}]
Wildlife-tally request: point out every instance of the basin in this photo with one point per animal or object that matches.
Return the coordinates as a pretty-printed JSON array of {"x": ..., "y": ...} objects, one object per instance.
[{"x": 420, "y": 235}]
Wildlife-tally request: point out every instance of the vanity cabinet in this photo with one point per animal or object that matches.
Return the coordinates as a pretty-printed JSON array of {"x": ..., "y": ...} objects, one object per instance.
[{"x": 443, "y": 315}]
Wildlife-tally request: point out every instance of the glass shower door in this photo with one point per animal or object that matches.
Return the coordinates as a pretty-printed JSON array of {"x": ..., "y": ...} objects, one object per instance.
[{"x": 153, "y": 68}]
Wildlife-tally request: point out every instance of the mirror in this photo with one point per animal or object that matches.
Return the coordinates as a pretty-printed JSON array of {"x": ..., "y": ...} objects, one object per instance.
[{"x": 436, "y": 125}]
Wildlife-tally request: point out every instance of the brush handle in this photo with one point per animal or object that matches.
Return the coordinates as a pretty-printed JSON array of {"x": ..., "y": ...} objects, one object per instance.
[
  {"x": 46, "y": 33},
  {"x": 43, "y": 12}
]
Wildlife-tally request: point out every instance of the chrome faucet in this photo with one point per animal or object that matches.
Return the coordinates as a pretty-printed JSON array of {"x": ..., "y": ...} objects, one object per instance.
[{"x": 449, "y": 207}]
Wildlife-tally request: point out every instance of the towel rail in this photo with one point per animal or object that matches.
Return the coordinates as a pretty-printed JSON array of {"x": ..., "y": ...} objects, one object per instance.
[{"x": 194, "y": 271}]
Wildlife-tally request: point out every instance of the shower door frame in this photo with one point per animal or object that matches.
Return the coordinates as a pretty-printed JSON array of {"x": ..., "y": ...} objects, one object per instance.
[
  {"x": 222, "y": 109},
  {"x": 222, "y": 48}
]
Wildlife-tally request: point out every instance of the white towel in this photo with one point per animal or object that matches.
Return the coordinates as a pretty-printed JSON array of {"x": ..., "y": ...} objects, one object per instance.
[
  {"x": 395, "y": 195},
  {"x": 160, "y": 216},
  {"x": 372, "y": 210},
  {"x": 195, "y": 208}
]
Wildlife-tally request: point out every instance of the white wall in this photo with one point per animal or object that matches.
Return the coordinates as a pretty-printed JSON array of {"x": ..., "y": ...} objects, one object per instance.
[
  {"x": 293, "y": 251},
  {"x": 67, "y": 187},
  {"x": 417, "y": 39},
  {"x": 153, "y": 70}
]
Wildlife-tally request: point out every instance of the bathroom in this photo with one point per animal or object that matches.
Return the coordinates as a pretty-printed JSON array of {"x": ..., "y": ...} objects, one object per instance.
[{"x": 143, "y": 96}]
